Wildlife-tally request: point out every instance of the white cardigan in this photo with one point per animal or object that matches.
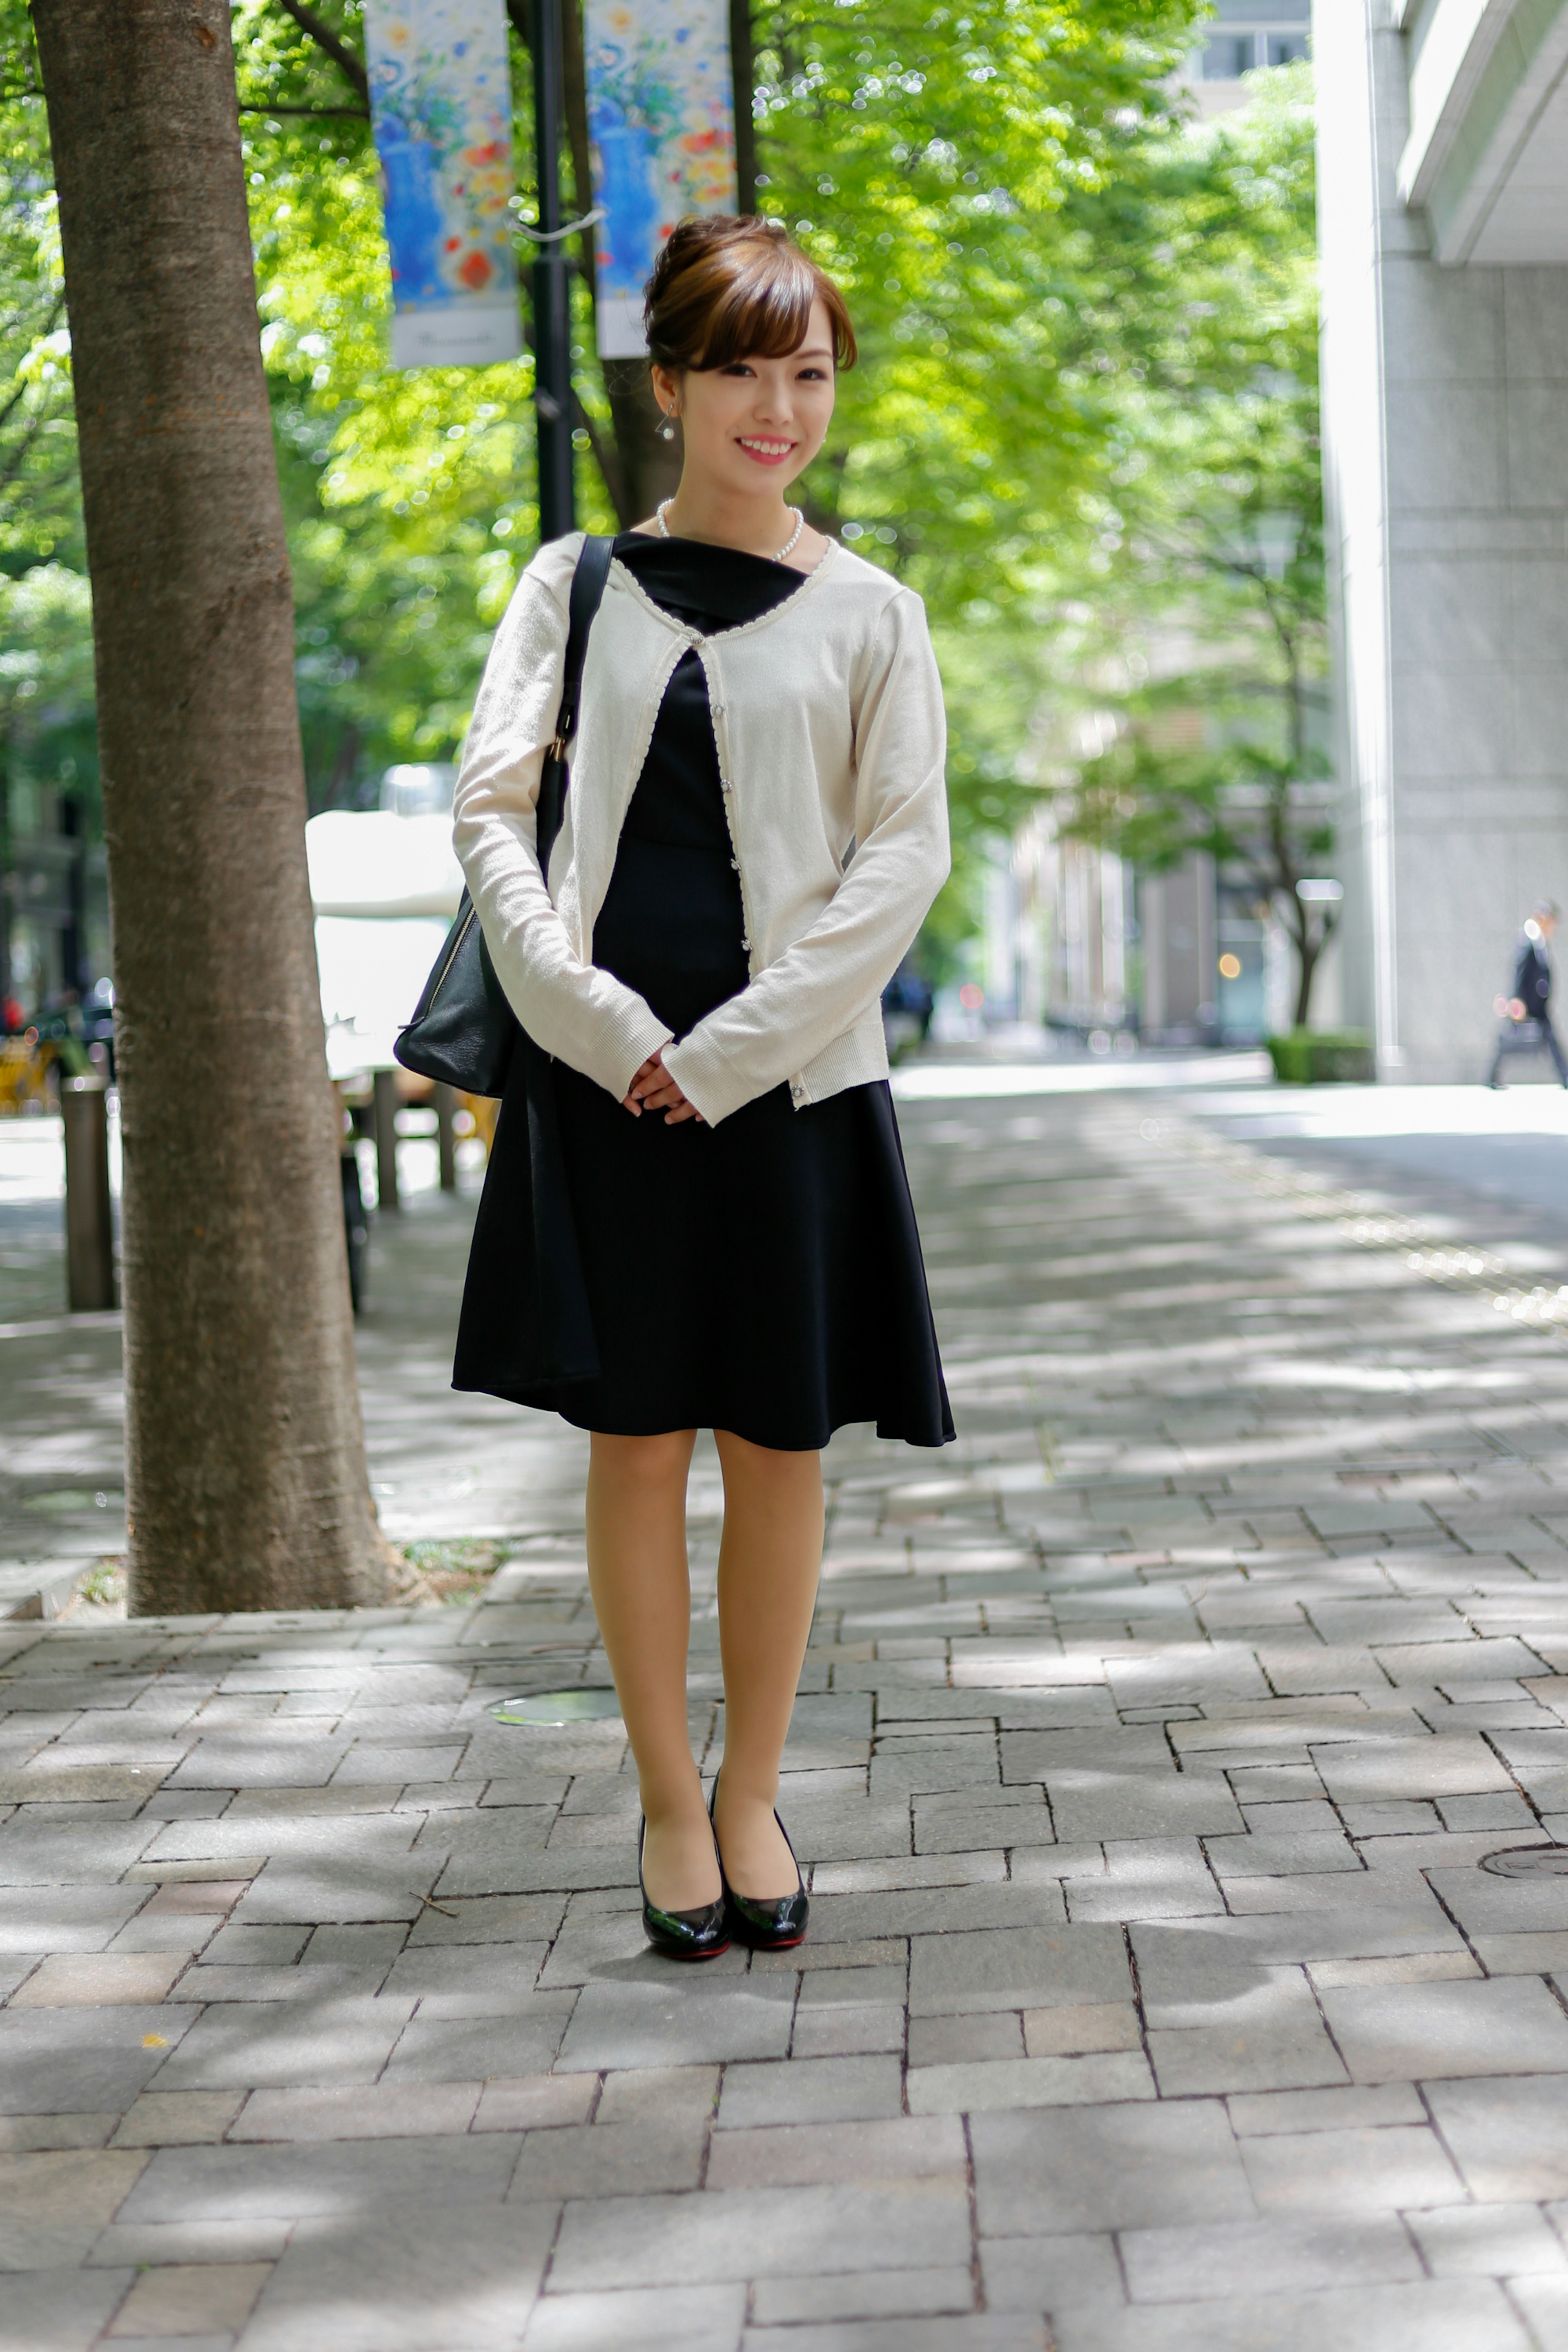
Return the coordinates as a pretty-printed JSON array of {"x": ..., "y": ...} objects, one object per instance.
[{"x": 828, "y": 715}]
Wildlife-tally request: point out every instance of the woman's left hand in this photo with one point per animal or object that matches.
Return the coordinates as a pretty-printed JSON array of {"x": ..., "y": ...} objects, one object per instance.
[{"x": 653, "y": 1089}]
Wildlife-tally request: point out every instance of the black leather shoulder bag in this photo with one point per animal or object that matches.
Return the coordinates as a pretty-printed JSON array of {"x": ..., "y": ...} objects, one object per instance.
[{"x": 464, "y": 1031}]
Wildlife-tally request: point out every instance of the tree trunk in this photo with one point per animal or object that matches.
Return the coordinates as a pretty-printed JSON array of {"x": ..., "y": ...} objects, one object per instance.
[{"x": 244, "y": 1455}]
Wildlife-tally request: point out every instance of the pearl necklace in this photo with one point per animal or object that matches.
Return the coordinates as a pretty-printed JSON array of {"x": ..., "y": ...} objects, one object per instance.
[{"x": 787, "y": 549}]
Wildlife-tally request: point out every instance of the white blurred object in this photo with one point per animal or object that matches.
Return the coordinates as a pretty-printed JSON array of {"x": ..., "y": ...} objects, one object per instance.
[
  {"x": 419, "y": 789},
  {"x": 373, "y": 863},
  {"x": 385, "y": 887},
  {"x": 372, "y": 974}
]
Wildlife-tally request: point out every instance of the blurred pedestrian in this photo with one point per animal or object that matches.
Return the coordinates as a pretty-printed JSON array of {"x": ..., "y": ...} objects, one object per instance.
[
  {"x": 1525, "y": 1017},
  {"x": 736, "y": 1249}
]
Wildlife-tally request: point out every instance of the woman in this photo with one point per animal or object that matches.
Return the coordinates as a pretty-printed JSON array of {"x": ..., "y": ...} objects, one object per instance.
[{"x": 755, "y": 827}]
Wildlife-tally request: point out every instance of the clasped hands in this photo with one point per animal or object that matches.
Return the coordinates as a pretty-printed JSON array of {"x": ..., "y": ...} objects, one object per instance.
[{"x": 653, "y": 1089}]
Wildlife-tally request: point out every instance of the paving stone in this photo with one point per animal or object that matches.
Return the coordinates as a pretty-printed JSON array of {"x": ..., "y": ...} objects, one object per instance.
[
  {"x": 1016, "y": 2083},
  {"x": 276, "y": 1947},
  {"x": 1507, "y": 2135},
  {"x": 1277, "y": 2257},
  {"x": 178, "y": 2119},
  {"x": 795, "y": 2154},
  {"x": 245, "y": 2044},
  {"x": 1350, "y": 2171},
  {"x": 1111, "y": 2167},
  {"x": 1445, "y": 1764},
  {"x": 148, "y": 2244},
  {"x": 1489, "y": 2241},
  {"x": 58, "y": 2310},
  {"x": 361, "y": 2177},
  {"x": 690, "y": 2319},
  {"x": 848, "y": 2031},
  {"x": 664, "y": 2020},
  {"x": 1017, "y": 1969},
  {"x": 938, "y": 1910},
  {"x": 489, "y": 1919},
  {"x": 1407, "y": 1967},
  {"x": 20, "y": 2134},
  {"x": 468, "y": 1981},
  {"x": 989, "y": 2034},
  {"x": 84, "y": 2060},
  {"x": 519, "y": 2041},
  {"x": 419, "y": 2280},
  {"x": 1431, "y": 2315},
  {"x": 866, "y": 2295},
  {"x": 98, "y": 1981},
  {"x": 533, "y": 2100},
  {"x": 1061, "y": 2274},
  {"x": 610, "y": 2160},
  {"x": 809, "y": 2091},
  {"x": 384, "y": 2110},
  {"x": 71, "y": 2186},
  {"x": 760, "y": 2234},
  {"x": 64, "y": 1918},
  {"x": 1259, "y": 2115},
  {"x": 1544, "y": 2303},
  {"x": 1142, "y": 1878},
  {"x": 208, "y": 2299},
  {"x": 986, "y": 2333},
  {"x": 1401, "y": 2033}
]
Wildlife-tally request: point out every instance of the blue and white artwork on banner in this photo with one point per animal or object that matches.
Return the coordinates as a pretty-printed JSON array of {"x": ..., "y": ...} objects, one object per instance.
[
  {"x": 440, "y": 100},
  {"x": 661, "y": 117}
]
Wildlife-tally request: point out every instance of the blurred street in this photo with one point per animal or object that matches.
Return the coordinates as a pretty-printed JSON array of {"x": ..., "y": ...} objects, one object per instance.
[{"x": 1150, "y": 1744}]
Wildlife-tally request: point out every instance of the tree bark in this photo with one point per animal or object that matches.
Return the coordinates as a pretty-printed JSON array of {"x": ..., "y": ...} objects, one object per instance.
[{"x": 245, "y": 1454}]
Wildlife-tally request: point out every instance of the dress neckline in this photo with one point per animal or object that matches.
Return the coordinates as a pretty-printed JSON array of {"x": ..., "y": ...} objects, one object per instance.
[{"x": 711, "y": 587}]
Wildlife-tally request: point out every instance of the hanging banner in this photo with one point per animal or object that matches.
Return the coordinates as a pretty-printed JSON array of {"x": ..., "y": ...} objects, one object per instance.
[
  {"x": 661, "y": 117},
  {"x": 440, "y": 103}
]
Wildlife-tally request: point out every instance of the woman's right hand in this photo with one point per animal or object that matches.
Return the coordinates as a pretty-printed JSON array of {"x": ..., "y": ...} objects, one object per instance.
[{"x": 653, "y": 1089}]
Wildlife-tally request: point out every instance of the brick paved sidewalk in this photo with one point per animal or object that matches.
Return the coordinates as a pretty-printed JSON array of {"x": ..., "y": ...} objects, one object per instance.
[{"x": 1149, "y": 1746}]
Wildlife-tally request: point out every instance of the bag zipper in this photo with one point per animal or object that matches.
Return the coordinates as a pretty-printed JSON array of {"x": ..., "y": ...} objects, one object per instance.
[{"x": 452, "y": 959}]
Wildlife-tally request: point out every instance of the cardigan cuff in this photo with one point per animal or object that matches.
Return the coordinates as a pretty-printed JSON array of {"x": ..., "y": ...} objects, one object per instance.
[{"x": 637, "y": 1035}]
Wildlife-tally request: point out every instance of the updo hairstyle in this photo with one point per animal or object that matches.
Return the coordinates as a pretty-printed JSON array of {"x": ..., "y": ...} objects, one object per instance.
[{"x": 728, "y": 288}]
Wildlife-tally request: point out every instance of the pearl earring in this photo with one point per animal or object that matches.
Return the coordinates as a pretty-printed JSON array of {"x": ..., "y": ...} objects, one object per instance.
[{"x": 667, "y": 430}]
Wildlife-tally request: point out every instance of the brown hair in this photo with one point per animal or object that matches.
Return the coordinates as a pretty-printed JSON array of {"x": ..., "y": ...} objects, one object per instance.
[{"x": 728, "y": 287}]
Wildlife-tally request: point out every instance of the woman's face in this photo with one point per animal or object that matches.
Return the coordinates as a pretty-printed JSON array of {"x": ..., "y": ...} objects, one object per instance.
[{"x": 754, "y": 425}]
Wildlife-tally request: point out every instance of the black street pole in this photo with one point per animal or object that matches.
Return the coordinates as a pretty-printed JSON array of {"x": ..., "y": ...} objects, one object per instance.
[{"x": 551, "y": 311}]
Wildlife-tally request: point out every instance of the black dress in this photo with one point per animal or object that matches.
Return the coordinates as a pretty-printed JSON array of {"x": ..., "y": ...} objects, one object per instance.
[{"x": 762, "y": 1275}]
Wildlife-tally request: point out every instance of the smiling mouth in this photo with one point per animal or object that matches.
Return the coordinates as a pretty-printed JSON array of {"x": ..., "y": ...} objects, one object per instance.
[{"x": 769, "y": 453}]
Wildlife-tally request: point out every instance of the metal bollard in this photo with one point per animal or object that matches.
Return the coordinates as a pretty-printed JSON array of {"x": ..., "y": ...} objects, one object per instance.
[
  {"x": 386, "y": 1140},
  {"x": 445, "y": 1139},
  {"x": 89, "y": 1218}
]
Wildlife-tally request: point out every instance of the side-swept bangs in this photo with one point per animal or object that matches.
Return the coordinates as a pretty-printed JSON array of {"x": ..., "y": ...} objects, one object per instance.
[{"x": 727, "y": 288}]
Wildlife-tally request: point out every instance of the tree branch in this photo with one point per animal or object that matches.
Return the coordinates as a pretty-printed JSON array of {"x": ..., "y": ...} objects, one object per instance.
[
  {"x": 354, "y": 113},
  {"x": 315, "y": 26}
]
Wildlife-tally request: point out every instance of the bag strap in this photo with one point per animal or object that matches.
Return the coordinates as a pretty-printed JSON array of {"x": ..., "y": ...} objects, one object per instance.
[{"x": 587, "y": 590}]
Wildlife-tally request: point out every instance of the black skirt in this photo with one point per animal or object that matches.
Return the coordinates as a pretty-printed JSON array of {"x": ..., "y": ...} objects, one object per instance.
[{"x": 763, "y": 1275}]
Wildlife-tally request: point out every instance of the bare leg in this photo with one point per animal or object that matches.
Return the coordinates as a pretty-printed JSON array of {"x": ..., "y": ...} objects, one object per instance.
[
  {"x": 769, "y": 1561},
  {"x": 642, "y": 1597}
]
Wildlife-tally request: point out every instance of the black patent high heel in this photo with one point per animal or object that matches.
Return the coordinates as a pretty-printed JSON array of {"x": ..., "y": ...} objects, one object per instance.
[
  {"x": 699, "y": 1935},
  {"x": 776, "y": 1923}
]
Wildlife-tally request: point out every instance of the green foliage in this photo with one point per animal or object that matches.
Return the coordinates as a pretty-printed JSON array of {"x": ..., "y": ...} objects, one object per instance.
[
  {"x": 1201, "y": 646},
  {"x": 1084, "y": 334},
  {"x": 1316, "y": 1057}
]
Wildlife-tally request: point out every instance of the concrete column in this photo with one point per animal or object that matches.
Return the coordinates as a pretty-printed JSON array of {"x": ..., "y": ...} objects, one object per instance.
[{"x": 1444, "y": 388}]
